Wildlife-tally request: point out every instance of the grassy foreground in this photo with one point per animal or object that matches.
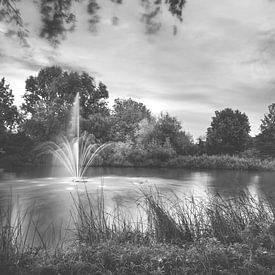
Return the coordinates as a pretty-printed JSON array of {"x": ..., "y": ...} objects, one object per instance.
[{"x": 171, "y": 236}]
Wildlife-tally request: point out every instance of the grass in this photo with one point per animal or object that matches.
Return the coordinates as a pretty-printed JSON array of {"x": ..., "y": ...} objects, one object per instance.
[
  {"x": 221, "y": 162},
  {"x": 12, "y": 237},
  {"x": 20, "y": 236},
  {"x": 192, "y": 162},
  {"x": 171, "y": 235}
]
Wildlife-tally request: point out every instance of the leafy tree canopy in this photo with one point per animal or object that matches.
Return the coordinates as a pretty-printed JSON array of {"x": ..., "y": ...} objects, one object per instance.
[
  {"x": 8, "y": 112},
  {"x": 169, "y": 128},
  {"x": 145, "y": 131},
  {"x": 126, "y": 116},
  {"x": 265, "y": 141},
  {"x": 268, "y": 122},
  {"x": 99, "y": 125},
  {"x": 54, "y": 87},
  {"x": 50, "y": 95},
  {"x": 228, "y": 133}
]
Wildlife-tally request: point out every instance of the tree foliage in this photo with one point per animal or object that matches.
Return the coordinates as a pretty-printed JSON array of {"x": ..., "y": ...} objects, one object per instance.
[
  {"x": 58, "y": 17},
  {"x": 56, "y": 87},
  {"x": 99, "y": 125},
  {"x": 13, "y": 144},
  {"x": 265, "y": 141},
  {"x": 9, "y": 115},
  {"x": 142, "y": 139},
  {"x": 228, "y": 133},
  {"x": 164, "y": 132},
  {"x": 269, "y": 119},
  {"x": 126, "y": 116},
  {"x": 169, "y": 128},
  {"x": 15, "y": 149},
  {"x": 49, "y": 98},
  {"x": 145, "y": 131}
]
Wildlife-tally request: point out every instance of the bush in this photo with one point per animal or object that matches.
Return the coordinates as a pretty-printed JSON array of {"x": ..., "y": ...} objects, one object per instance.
[{"x": 221, "y": 162}]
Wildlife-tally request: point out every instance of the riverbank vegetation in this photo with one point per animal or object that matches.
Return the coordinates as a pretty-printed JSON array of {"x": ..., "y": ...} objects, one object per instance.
[
  {"x": 140, "y": 138},
  {"x": 170, "y": 235},
  {"x": 128, "y": 156}
]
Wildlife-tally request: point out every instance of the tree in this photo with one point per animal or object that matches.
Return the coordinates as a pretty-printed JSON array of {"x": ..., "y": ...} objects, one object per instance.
[
  {"x": 56, "y": 87},
  {"x": 162, "y": 131},
  {"x": 269, "y": 119},
  {"x": 50, "y": 95},
  {"x": 228, "y": 133},
  {"x": 201, "y": 145},
  {"x": 126, "y": 116},
  {"x": 9, "y": 115},
  {"x": 185, "y": 144},
  {"x": 58, "y": 17},
  {"x": 99, "y": 125},
  {"x": 169, "y": 128},
  {"x": 16, "y": 149},
  {"x": 265, "y": 141},
  {"x": 145, "y": 131},
  {"x": 14, "y": 146},
  {"x": 45, "y": 124}
]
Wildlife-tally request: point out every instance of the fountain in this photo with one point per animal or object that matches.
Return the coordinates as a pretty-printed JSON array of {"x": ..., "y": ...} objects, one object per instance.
[{"x": 76, "y": 153}]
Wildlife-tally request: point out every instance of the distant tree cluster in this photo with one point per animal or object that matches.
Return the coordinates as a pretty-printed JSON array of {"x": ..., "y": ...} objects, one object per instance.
[
  {"x": 228, "y": 133},
  {"x": 139, "y": 137}
]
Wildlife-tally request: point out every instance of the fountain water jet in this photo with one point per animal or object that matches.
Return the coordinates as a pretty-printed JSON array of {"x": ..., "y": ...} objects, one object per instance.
[{"x": 76, "y": 153}]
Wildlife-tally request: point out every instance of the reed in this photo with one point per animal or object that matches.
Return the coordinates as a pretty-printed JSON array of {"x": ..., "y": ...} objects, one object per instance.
[
  {"x": 220, "y": 162},
  {"x": 172, "y": 219},
  {"x": 21, "y": 238},
  {"x": 172, "y": 235},
  {"x": 93, "y": 224}
]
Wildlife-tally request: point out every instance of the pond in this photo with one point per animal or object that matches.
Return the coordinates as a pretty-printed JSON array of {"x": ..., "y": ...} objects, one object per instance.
[{"x": 48, "y": 193}]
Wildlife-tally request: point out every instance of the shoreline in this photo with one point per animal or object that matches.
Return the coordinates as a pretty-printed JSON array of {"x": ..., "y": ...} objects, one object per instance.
[{"x": 202, "y": 162}]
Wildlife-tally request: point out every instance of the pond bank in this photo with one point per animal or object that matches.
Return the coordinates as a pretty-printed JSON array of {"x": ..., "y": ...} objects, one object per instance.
[
  {"x": 222, "y": 236},
  {"x": 208, "y": 256},
  {"x": 196, "y": 162},
  {"x": 189, "y": 162}
]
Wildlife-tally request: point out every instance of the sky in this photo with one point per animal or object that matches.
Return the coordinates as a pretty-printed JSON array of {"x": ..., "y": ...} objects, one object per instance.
[{"x": 222, "y": 56}]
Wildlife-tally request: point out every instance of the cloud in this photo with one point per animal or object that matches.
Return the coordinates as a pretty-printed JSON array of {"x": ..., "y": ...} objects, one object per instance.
[
  {"x": 222, "y": 56},
  {"x": 14, "y": 61}
]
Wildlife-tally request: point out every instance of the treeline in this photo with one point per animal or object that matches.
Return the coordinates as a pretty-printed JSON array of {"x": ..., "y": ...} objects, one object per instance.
[{"x": 139, "y": 138}]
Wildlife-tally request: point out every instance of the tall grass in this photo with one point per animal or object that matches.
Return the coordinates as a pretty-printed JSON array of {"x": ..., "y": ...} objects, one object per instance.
[
  {"x": 172, "y": 219},
  {"x": 221, "y": 162},
  {"x": 21, "y": 237},
  {"x": 13, "y": 240},
  {"x": 171, "y": 235},
  {"x": 177, "y": 235},
  {"x": 93, "y": 224},
  {"x": 227, "y": 220}
]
